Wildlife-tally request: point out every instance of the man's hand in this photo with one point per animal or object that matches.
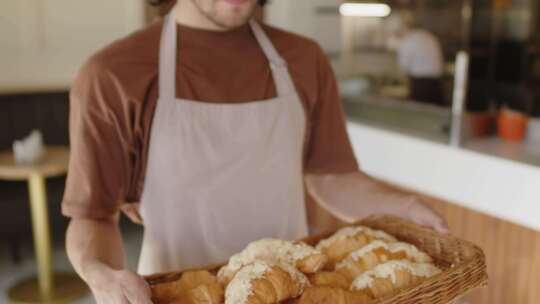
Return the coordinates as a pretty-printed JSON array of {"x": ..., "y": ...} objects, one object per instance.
[
  {"x": 111, "y": 286},
  {"x": 95, "y": 249},
  {"x": 422, "y": 214}
]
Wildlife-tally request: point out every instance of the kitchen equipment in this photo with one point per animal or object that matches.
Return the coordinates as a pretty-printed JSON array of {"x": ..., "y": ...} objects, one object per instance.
[{"x": 353, "y": 88}]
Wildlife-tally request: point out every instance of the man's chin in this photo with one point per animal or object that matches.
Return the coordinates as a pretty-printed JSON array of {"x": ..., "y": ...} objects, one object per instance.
[
  {"x": 231, "y": 17},
  {"x": 231, "y": 23}
]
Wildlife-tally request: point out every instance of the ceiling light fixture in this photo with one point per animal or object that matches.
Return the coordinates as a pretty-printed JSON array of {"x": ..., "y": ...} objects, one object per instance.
[{"x": 365, "y": 9}]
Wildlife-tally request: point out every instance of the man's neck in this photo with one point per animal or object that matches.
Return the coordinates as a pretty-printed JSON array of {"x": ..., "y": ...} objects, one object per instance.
[{"x": 188, "y": 14}]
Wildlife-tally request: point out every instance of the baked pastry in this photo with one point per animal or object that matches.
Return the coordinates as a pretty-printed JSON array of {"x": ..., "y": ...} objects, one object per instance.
[
  {"x": 348, "y": 240},
  {"x": 328, "y": 295},
  {"x": 202, "y": 294},
  {"x": 365, "y": 264},
  {"x": 300, "y": 255},
  {"x": 378, "y": 252},
  {"x": 265, "y": 283},
  {"x": 329, "y": 279},
  {"x": 194, "y": 287},
  {"x": 387, "y": 278}
]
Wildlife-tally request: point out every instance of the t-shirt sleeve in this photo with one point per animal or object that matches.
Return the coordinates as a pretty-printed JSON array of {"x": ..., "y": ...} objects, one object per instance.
[
  {"x": 406, "y": 50},
  {"x": 99, "y": 161},
  {"x": 329, "y": 147}
]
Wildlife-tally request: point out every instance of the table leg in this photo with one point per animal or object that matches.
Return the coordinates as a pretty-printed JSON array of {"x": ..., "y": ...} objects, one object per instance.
[
  {"x": 42, "y": 289},
  {"x": 42, "y": 238}
]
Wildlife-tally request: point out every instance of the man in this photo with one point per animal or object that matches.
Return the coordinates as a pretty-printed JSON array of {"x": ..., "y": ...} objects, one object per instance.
[
  {"x": 211, "y": 122},
  {"x": 421, "y": 58}
]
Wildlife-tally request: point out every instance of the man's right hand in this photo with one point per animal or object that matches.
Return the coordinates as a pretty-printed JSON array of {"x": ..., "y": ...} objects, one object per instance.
[
  {"x": 96, "y": 250},
  {"x": 111, "y": 286}
]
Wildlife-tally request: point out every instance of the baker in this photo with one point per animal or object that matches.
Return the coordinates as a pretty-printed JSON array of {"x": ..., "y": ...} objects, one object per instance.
[
  {"x": 420, "y": 56},
  {"x": 204, "y": 127}
]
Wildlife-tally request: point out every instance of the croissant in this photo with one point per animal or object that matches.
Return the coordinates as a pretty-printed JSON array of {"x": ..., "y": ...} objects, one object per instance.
[
  {"x": 304, "y": 257},
  {"x": 196, "y": 287},
  {"x": 378, "y": 252},
  {"x": 202, "y": 294},
  {"x": 329, "y": 279},
  {"x": 328, "y": 295},
  {"x": 350, "y": 239},
  {"x": 387, "y": 278},
  {"x": 265, "y": 283}
]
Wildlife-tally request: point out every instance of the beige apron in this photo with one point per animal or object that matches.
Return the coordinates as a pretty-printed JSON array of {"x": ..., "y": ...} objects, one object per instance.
[{"x": 220, "y": 175}]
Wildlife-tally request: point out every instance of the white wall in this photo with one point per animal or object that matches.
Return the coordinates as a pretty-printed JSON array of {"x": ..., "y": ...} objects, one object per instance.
[
  {"x": 336, "y": 34},
  {"x": 502, "y": 188},
  {"x": 43, "y": 42},
  {"x": 300, "y": 16}
]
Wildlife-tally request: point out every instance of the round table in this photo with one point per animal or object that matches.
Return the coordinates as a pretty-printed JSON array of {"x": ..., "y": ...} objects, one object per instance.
[{"x": 41, "y": 289}]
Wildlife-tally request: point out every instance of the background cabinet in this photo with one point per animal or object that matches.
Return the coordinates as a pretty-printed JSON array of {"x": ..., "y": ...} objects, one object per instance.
[{"x": 44, "y": 42}]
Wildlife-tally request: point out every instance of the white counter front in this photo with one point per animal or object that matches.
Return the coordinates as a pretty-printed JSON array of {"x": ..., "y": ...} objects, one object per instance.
[{"x": 499, "y": 187}]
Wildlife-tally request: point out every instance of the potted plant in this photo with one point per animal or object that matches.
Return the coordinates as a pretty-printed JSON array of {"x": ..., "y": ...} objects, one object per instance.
[
  {"x": 513, "y": 117},
  {"x": 511, "y": 124},
  {"x": 479, "y": 117}
]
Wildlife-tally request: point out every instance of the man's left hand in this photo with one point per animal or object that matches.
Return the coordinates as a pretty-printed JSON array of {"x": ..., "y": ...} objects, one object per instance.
[{"x": 422, "y": 214}]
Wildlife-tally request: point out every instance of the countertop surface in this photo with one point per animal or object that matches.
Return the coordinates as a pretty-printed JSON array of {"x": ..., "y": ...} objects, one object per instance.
[
  {"x": 432, "y": 123},
  {"x": 493, "y": 185}
]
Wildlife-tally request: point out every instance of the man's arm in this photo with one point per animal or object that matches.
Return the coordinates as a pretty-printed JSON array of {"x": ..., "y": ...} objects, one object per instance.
[
  {"x": 348, "y": 196},
  {"x": 96, "y": 251},
  {"x": 354, "y": 196}
]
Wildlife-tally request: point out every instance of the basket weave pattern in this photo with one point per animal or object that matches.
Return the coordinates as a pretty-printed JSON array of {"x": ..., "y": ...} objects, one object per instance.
[{"x": 463, "y": 264}]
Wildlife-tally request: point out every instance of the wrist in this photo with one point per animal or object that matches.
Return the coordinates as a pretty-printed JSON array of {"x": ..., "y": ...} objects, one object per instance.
[
  {"x": 410, "y": 206},
  {"x": 97, "y": 274},
  {"x": 402, "y": 206}
]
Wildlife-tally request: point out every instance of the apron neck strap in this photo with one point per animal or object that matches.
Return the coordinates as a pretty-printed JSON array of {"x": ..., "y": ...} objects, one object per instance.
[
  {"x": 280, "y": 72},
  {"x": 168, "y": 59}
]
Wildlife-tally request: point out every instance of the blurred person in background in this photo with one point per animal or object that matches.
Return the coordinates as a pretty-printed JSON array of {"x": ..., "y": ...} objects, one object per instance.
[
  {"x": 420, "y": 56},
  {"x": 203, "y": 127}
]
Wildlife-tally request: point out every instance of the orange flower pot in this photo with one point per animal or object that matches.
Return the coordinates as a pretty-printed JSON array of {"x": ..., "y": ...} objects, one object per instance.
[
  {"x": 480, "y": 124},
  {"x": 511, "y": 125}
]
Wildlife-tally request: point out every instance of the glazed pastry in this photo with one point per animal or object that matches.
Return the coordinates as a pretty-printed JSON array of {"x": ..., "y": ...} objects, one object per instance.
[
  {"x": 348, "y": 240},
  {"x": 329, "y": 279},
  {"x": 300, "y": 255},
  {"x": 387, "y": 278},
  {"x": 378, "y": 252},
  {"x": 328, "y": 295},
  {"x": 192, "y": 288},
  {"x": 265, "y": 283}
]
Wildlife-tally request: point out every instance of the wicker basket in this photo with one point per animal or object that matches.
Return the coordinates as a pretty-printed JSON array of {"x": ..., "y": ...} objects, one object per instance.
[{"x": 463, "y": 263}]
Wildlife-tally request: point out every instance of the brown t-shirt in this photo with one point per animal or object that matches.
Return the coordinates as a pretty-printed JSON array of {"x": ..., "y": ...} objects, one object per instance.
[{"x": 114, "y": 97}]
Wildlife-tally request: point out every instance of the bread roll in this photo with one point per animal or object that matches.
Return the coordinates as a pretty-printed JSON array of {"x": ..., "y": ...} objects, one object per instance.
[
  {"x": 194, "y": 287},
  {"x": 348, "y": 240},
  {"x": 378, "y": 252},
  {"x": 387, "y": 278},
  {"x": 300, "y": 255},
  {"x": 265, "y": 283},
  {"x": 329, "y": 279},
  {"x": 328, "y": 295}
]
